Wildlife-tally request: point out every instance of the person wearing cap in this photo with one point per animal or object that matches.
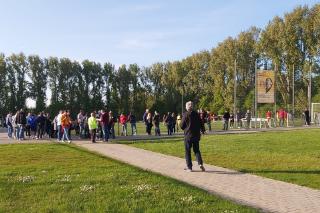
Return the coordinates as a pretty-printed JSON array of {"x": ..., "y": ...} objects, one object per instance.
[{"x": 193, "y": 127}]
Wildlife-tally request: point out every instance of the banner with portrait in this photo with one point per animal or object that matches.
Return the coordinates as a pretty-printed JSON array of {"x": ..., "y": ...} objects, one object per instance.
[{"x": 265, "y": 87}]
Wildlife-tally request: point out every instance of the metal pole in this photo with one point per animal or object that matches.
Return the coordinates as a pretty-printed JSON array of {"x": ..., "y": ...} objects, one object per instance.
[
  {"x": 275, "y": 95},
  {"x": 182, "y": 103},
  {"x": 309, "y": 92},
  {"x": 293, "y": 79},
  {"x": 256, "y": 95},
  {"x": 235, "y": 89}
]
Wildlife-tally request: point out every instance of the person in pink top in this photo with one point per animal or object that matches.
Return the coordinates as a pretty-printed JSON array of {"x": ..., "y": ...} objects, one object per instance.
[{"x": 123, "y": 122}]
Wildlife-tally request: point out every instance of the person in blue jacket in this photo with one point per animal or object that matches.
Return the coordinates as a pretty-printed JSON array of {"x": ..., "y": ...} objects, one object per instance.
[{"x": 33, "y": 124}]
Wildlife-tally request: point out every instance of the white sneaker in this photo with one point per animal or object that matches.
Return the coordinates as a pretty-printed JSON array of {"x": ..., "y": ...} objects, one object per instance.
[{"x": 188, "y": 170}]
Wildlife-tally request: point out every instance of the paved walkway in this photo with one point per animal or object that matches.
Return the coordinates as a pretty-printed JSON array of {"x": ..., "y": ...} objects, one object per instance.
[{"x": 261, "y": 193}]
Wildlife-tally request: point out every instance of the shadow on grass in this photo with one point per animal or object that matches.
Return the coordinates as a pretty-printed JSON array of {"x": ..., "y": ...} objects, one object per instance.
[{"x": 316, "y": 172}]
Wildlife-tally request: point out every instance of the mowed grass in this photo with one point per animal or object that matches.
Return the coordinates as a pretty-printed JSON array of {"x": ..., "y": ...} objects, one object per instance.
[
  {"x": 64, "y": 178},
  {"x": 291, "y": 156}
]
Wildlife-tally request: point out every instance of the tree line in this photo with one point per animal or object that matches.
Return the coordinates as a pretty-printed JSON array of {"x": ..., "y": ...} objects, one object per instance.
[{"x": 289, "y": 44}]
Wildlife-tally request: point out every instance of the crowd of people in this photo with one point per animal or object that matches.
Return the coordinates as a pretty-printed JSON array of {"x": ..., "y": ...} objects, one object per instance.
[
  {"x": 96, "y": 125},
  {"x": 38, "y": 126},
  {"x": 101, "y": 125}
]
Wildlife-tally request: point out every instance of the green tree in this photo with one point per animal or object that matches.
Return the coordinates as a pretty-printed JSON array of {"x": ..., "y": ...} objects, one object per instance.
[
  {"x": 17, "y": 70},
  {"x": 38, "y": 75},
  {"x": 4, "y": 86}
]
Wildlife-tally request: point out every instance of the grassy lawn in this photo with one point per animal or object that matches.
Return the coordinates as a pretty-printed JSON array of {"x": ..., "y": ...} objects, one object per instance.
[
  {"x": 64, "y": 178},
  {"x": 291, "y": 156}
]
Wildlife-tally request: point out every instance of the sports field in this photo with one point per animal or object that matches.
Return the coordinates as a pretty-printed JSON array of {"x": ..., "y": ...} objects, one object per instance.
[{"x": 291, "y": 156}]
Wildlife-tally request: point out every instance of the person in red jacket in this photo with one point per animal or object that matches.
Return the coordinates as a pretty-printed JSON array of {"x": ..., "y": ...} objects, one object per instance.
[{"x": 123, "y": 122}]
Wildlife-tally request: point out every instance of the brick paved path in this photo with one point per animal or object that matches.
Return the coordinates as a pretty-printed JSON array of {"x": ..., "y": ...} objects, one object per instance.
[{"x": 262, "y": 193}]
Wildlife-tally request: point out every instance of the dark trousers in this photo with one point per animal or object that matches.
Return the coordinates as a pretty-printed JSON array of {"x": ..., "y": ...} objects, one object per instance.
[
  {"x": 111, "y": 132},
  {"x": 40, "y": 130},
  {"x": 169, "y": 129},
  {"x": 105, "y": 130},
  {"x": 149, "y": 127},
  {"x": 93, "y": 135},
  {"x": 225, "y": 125},
  {"x": 59, "y": 132},
  {"x": 28, "y": 130},
  {"x": 157, "y": 129},
  {"x": 195, "y": 145}
]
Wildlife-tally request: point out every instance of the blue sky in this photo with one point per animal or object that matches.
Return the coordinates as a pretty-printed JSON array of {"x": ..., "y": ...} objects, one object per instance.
[{"x": 124, "y": 32}]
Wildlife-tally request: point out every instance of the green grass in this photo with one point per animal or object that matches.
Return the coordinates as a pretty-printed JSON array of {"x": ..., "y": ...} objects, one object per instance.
[
  {"x": 65, "y": 178},
  {"x": 291, "y": 156}
]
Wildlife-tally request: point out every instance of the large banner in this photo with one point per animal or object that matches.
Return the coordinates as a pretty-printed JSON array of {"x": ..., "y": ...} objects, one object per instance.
[{"x": 265, "y": 86}]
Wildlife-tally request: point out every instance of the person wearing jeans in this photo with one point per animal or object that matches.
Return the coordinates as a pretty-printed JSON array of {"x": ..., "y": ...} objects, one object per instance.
[
  {"x": 66, "y": 124},
  {"x": 80, "y": 118},
  {"x": 192, "y": 126},
  {"x": 132, "y": 120},
  {"x": 104, "y": 121},
  {"x": 9, "y": 124},
  {"x": 21, "y": 121},
  {"x": 58, "y": 120}
]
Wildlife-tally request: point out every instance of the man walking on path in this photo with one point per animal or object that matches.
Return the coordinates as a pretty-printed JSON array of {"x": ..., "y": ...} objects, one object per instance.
[{"x": 192, "y": 126}]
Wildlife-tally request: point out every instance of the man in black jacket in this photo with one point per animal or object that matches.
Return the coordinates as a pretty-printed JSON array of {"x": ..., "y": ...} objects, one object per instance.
[
  {"x": 21, "y": 121},
  {"x": 192, "y": 126},
  {"x": 226, "y": 117}
]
